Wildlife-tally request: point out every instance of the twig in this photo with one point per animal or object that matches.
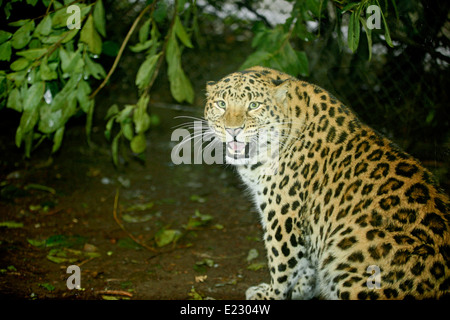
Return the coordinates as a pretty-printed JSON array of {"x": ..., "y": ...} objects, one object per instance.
[
  {"x": 122, "y": 48},
  {"x": 123, "y": 228},
  {"x": 116, "y": 292}
]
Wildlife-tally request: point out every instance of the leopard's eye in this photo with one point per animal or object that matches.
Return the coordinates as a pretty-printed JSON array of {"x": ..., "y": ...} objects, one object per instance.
[
  {"x": 254, "y": 105},
  {"x": 221, "y": 104}
]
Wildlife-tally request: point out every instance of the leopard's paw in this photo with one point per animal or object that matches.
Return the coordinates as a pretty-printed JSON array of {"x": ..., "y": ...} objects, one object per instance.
[{"x": 258, "y": 292}]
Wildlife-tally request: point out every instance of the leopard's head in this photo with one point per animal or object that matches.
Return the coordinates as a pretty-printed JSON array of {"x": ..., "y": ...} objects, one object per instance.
[{"x": 247, "y": 112}]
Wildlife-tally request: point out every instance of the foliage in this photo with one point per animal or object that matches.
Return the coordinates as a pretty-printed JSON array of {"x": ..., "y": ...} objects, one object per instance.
[
  {"x": 273, "y": 45},
  {"x": 52, "y": 65}
]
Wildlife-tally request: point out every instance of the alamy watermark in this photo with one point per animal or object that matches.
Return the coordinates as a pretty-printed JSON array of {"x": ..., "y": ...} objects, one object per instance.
[
  {"x": 374, "y": 280},
  {"x": 74, "y": 281},
  {"x": 74, "y": 20}
]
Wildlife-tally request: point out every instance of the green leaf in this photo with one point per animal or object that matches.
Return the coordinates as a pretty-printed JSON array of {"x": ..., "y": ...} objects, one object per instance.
[
  {"x": 140, "y": 207},
  {"x": 47, "y": 73},
  {"x": 36, "y": 243},
  {"x": 28, "y": 121},
  {"x": 71, "y": 62},
  {"x": 142, "y": 46},
  {"x": 368, "y": 35},
  {"x": 11, "y": 224},
  {"x": 127, "y": 129},
  {"x": 181, "y": 33},
  {"x": 353, "y": 31},
  {"x": 166, "y": 236},
  {"x": 146, "y": 70},
  {"x": 20, "y": 64},
  {"x": 47, "y": 286},
  {"x": 94, "y": 68},
  {"x": 256, "y": 266},
  {"x": 69, "y": 35},
  {"x": 112, "y": 111},
  {"x": 32, "y": 54},
  {"x": 57, "y": 139},
  {"x": 15, "y": 100},
  {"x": 141, "y": 118},
  {"x": 138, "y": 143},
  {"x": 387, "y": 33},
  {"x": 45, "y": 26},
  {"x": 144, "y": 31},
  {"x": 180, "y": 86},
  {"x": 22, "y": 36},
  {"x": 5, "y": 51},
  {"x": 91, "y": 37},
  {"x": 4, "y": 36},
  {"x": 34, "y": 96},
  {"x": 99, "y": 17},
  {"x": 256, "y": 58},
  {"x": 83, "y": 91}
]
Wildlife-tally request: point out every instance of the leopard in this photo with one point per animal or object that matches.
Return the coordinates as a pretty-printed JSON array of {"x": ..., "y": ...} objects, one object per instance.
[{"x": 345, "y": 213}]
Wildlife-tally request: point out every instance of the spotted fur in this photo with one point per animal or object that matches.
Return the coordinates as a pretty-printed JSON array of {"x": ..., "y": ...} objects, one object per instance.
[{"x": 336, "y": 199}]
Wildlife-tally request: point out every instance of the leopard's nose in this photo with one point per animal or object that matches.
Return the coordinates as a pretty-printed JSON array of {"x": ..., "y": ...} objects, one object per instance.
[{"x": 233, "y": 132}]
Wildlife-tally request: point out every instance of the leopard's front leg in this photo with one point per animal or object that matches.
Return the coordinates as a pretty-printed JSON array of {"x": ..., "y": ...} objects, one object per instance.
[{"x": 288, "y": 263}]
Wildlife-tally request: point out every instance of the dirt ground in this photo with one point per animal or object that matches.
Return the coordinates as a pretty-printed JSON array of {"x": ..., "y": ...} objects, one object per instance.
[{"x": 63, "y": 214}]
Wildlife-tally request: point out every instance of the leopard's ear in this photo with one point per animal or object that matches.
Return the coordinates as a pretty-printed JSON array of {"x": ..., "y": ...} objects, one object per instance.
[
  {"x": 209, "y": 87},
  {"x": 280, "y": 90}
]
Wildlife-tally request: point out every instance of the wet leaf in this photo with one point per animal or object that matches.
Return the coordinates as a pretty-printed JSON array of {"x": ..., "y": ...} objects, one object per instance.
[
  {"x": 256, "y": 266},
  {"x": 40, "y": 187},
  {"x": 128, "y": 244},
  {"x": 136, "y": 219},
  {"x": 66, "y": 255},
  {"x": 47, "y": 286},
  {"x": 166, "y": 236},
  {"x": 58, "y": 255},
  {"x": 36, "y": 243},
  {"x": 11, "y": 224},
  {"x": 197, "y": 198},
  {"x": 194, "y": 295},
  {"x": 140, "y": 207},
  {"x": 198, "y": 220}
]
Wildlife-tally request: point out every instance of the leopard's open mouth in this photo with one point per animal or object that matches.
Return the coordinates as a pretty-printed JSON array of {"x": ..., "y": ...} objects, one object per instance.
[{"x": 238, "y": 150}]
